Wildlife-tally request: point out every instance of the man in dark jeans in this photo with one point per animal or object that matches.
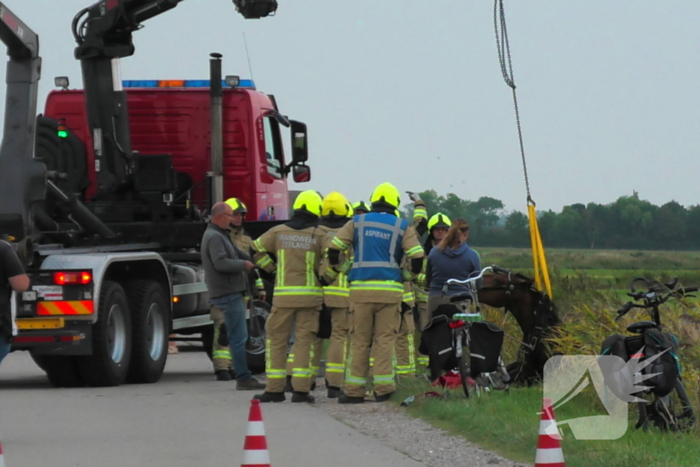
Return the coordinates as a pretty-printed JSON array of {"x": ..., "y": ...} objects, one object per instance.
[
  {"x": 12, "y": 277},
  {"x": 225, "y": 269}
]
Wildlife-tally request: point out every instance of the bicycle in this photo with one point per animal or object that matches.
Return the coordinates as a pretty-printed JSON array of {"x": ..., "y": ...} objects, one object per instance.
[
  {"x": 673, "y": 410},
  {"x": 485, "y": 371}
]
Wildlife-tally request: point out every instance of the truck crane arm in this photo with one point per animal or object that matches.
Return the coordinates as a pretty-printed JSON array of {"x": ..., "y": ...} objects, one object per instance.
[
  {"x": 26, "y": 184},
  {"x": 103, "y": 32}
]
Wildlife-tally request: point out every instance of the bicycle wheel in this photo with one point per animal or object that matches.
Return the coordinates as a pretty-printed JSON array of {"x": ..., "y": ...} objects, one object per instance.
[
  {"x": 464, "y": 373},
  {"x": 673, "y": 412}
]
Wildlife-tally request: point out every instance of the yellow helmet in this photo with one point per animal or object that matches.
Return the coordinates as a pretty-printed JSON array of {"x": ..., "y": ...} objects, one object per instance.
[
  {"x": 387, "y": 193},
  {"x": 237, "y": 205},
  {"x": 439, "y": 220},
  {"x": 360, "y": 206},
  {"x": 309, "y": 201},
  {"x": 335, "y": 203}
]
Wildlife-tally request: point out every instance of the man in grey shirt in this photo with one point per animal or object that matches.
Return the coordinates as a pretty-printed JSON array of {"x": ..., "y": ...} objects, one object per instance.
[{"x": 225, "y": 269}]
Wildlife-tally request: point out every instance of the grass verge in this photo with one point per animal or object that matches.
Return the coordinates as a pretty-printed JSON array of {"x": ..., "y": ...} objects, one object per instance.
[{"x": 508, "y": 423}]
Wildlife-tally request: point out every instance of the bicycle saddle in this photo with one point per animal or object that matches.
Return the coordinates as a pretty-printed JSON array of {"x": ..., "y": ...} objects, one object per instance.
[
  {"x": 460, "y": 297},
  {"x": 640, "y": 327}
]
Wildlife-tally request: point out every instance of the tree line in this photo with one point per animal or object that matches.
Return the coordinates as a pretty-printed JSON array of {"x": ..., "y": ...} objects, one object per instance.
[{"x": 627, "y": 223}]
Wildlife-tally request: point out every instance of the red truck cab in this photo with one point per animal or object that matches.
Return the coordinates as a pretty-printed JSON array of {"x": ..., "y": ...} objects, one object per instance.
[{"x": 173, "y": 117}]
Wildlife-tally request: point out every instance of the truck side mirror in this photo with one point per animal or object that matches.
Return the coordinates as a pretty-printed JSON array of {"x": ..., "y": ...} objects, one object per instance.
[
  {"x": 301, "y": 173},
  {"x": 300, "y": 143}
]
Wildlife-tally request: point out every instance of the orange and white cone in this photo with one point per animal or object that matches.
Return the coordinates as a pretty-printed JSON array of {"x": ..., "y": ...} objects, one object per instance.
[
  {"x": 549, "y": 453},
  {"x": 2, "y": 458},
  {"x": 255, "y": 448}
]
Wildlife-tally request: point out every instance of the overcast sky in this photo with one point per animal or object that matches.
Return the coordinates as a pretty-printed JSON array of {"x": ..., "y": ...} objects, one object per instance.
[{"x": 410, "y": 91}]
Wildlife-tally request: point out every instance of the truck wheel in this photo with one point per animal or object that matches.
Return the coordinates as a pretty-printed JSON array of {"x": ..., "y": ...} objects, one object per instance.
[
  {"x": 111, "y": 340},
  {"x": 61, "y": 370},
  {"x": 255, "y": 347},
  {"x": 150, "y": 323}
]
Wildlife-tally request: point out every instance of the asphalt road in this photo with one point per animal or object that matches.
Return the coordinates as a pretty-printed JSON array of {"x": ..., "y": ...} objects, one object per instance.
[{"x": 186, "y": 419}]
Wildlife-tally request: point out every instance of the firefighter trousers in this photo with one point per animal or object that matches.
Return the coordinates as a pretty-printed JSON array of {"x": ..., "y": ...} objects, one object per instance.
[
  {"x": 375, "y": 326},
  {"x": 405, "y": 347},
  {"x": 337, "y": 347},
  {"x": 278, "y": 328},
  {"x": 220, "y": 354}
]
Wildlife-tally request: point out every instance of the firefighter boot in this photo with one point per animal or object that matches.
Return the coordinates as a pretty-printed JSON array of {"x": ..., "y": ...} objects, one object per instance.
[
  {"x": 333, "y": 392},
  {"x": 302, "y": 397},
  {"x": 383, "y": 397},
  {"x": 223, "y": 375},
  {"x": 345, "y": 399},
  {"x": 270, "y": 397}
]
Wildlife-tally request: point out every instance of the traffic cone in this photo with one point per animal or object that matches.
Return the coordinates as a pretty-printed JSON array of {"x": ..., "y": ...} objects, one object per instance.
[
  {"x": 549, "y": 453},
  {"x": 2, "y": 458},
  {"x": 255, "y": 448}
]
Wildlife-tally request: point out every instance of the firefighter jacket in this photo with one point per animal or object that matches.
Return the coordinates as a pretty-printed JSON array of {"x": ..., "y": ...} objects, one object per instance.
[
  {"x": 380, "y": 241},
  {"x": 244, "y": 243},
  {"x": 409, "y": 297},
  {"x": 337, "y": 293},
  {"x": 298, "y": 253}
]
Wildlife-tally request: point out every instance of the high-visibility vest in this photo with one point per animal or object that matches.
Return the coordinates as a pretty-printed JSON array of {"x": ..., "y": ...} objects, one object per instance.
[{"x": 377, "y": 241}]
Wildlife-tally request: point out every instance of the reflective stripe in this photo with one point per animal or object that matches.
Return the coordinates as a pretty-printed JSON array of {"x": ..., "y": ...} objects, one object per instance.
[
  {"x": 408, "y": 297},
  {"x": 423, "y": 360},
  {"x": 337, "y": 291},
  {"x": 301, "y": 372},
  {"x": 276, "y": 374},
  {"x": 258, "y": 246},
  {"x": 355, "y": 381},
  {"x": 298, "y": 291},
  {"x": 290, "y": 358},
  {"x": 221, "y": 354},
  {"x": 335, "y": 368},
  {"x": 389, "y": 286},
  {"x": 281, "y": 269},
  {"x": 420, "y": 213},
  {"x": 259, "y": 283},
  {"x": 310, "y": 270},
  {"x": 414, "y": 251},
  {"x": 340, "y": 244},
  {"x": 384, "y": 379},
  {"x": 262, "y": 263}
]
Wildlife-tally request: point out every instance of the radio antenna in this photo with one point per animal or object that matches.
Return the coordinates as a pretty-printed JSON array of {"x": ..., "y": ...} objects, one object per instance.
[{"x": 250, "y": 68}]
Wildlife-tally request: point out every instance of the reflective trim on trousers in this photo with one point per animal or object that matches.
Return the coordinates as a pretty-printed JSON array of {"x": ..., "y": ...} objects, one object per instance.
[
  {"x": 355, "y": 381},
  {"x": 290, "y": 358},
  {"x": 384, "y": 379},
  {"x": 301, "y": 372},
  {"x": 221, "y": 354},
  {"x": 276, "y": 374},
  {"x": 423, "y": 360},
  {"x": 335, "y": 368}
]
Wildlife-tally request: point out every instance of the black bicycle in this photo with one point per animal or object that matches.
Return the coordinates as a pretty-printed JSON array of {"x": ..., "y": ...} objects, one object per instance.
[
  {"x": 666, "y": 404},
  {"x": 484, "y": 340}
]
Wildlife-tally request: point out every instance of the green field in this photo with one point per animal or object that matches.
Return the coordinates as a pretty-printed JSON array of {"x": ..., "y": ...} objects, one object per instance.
[{"x": 588, "y": 286}]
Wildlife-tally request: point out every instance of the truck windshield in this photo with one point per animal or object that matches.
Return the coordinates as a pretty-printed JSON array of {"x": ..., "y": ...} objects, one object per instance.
[{"x": 273, "y": 148}]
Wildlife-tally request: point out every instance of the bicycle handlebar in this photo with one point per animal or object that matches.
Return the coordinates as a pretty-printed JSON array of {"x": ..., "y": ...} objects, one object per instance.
[{"x": 471, "y": 279}]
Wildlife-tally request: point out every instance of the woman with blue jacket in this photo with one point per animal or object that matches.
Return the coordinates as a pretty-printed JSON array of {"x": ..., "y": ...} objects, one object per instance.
[{"x": 450, "y": 259}]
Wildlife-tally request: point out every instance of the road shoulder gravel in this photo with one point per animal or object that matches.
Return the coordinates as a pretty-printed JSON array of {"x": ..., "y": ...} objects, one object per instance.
[{"x": 413, "y": 437}]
